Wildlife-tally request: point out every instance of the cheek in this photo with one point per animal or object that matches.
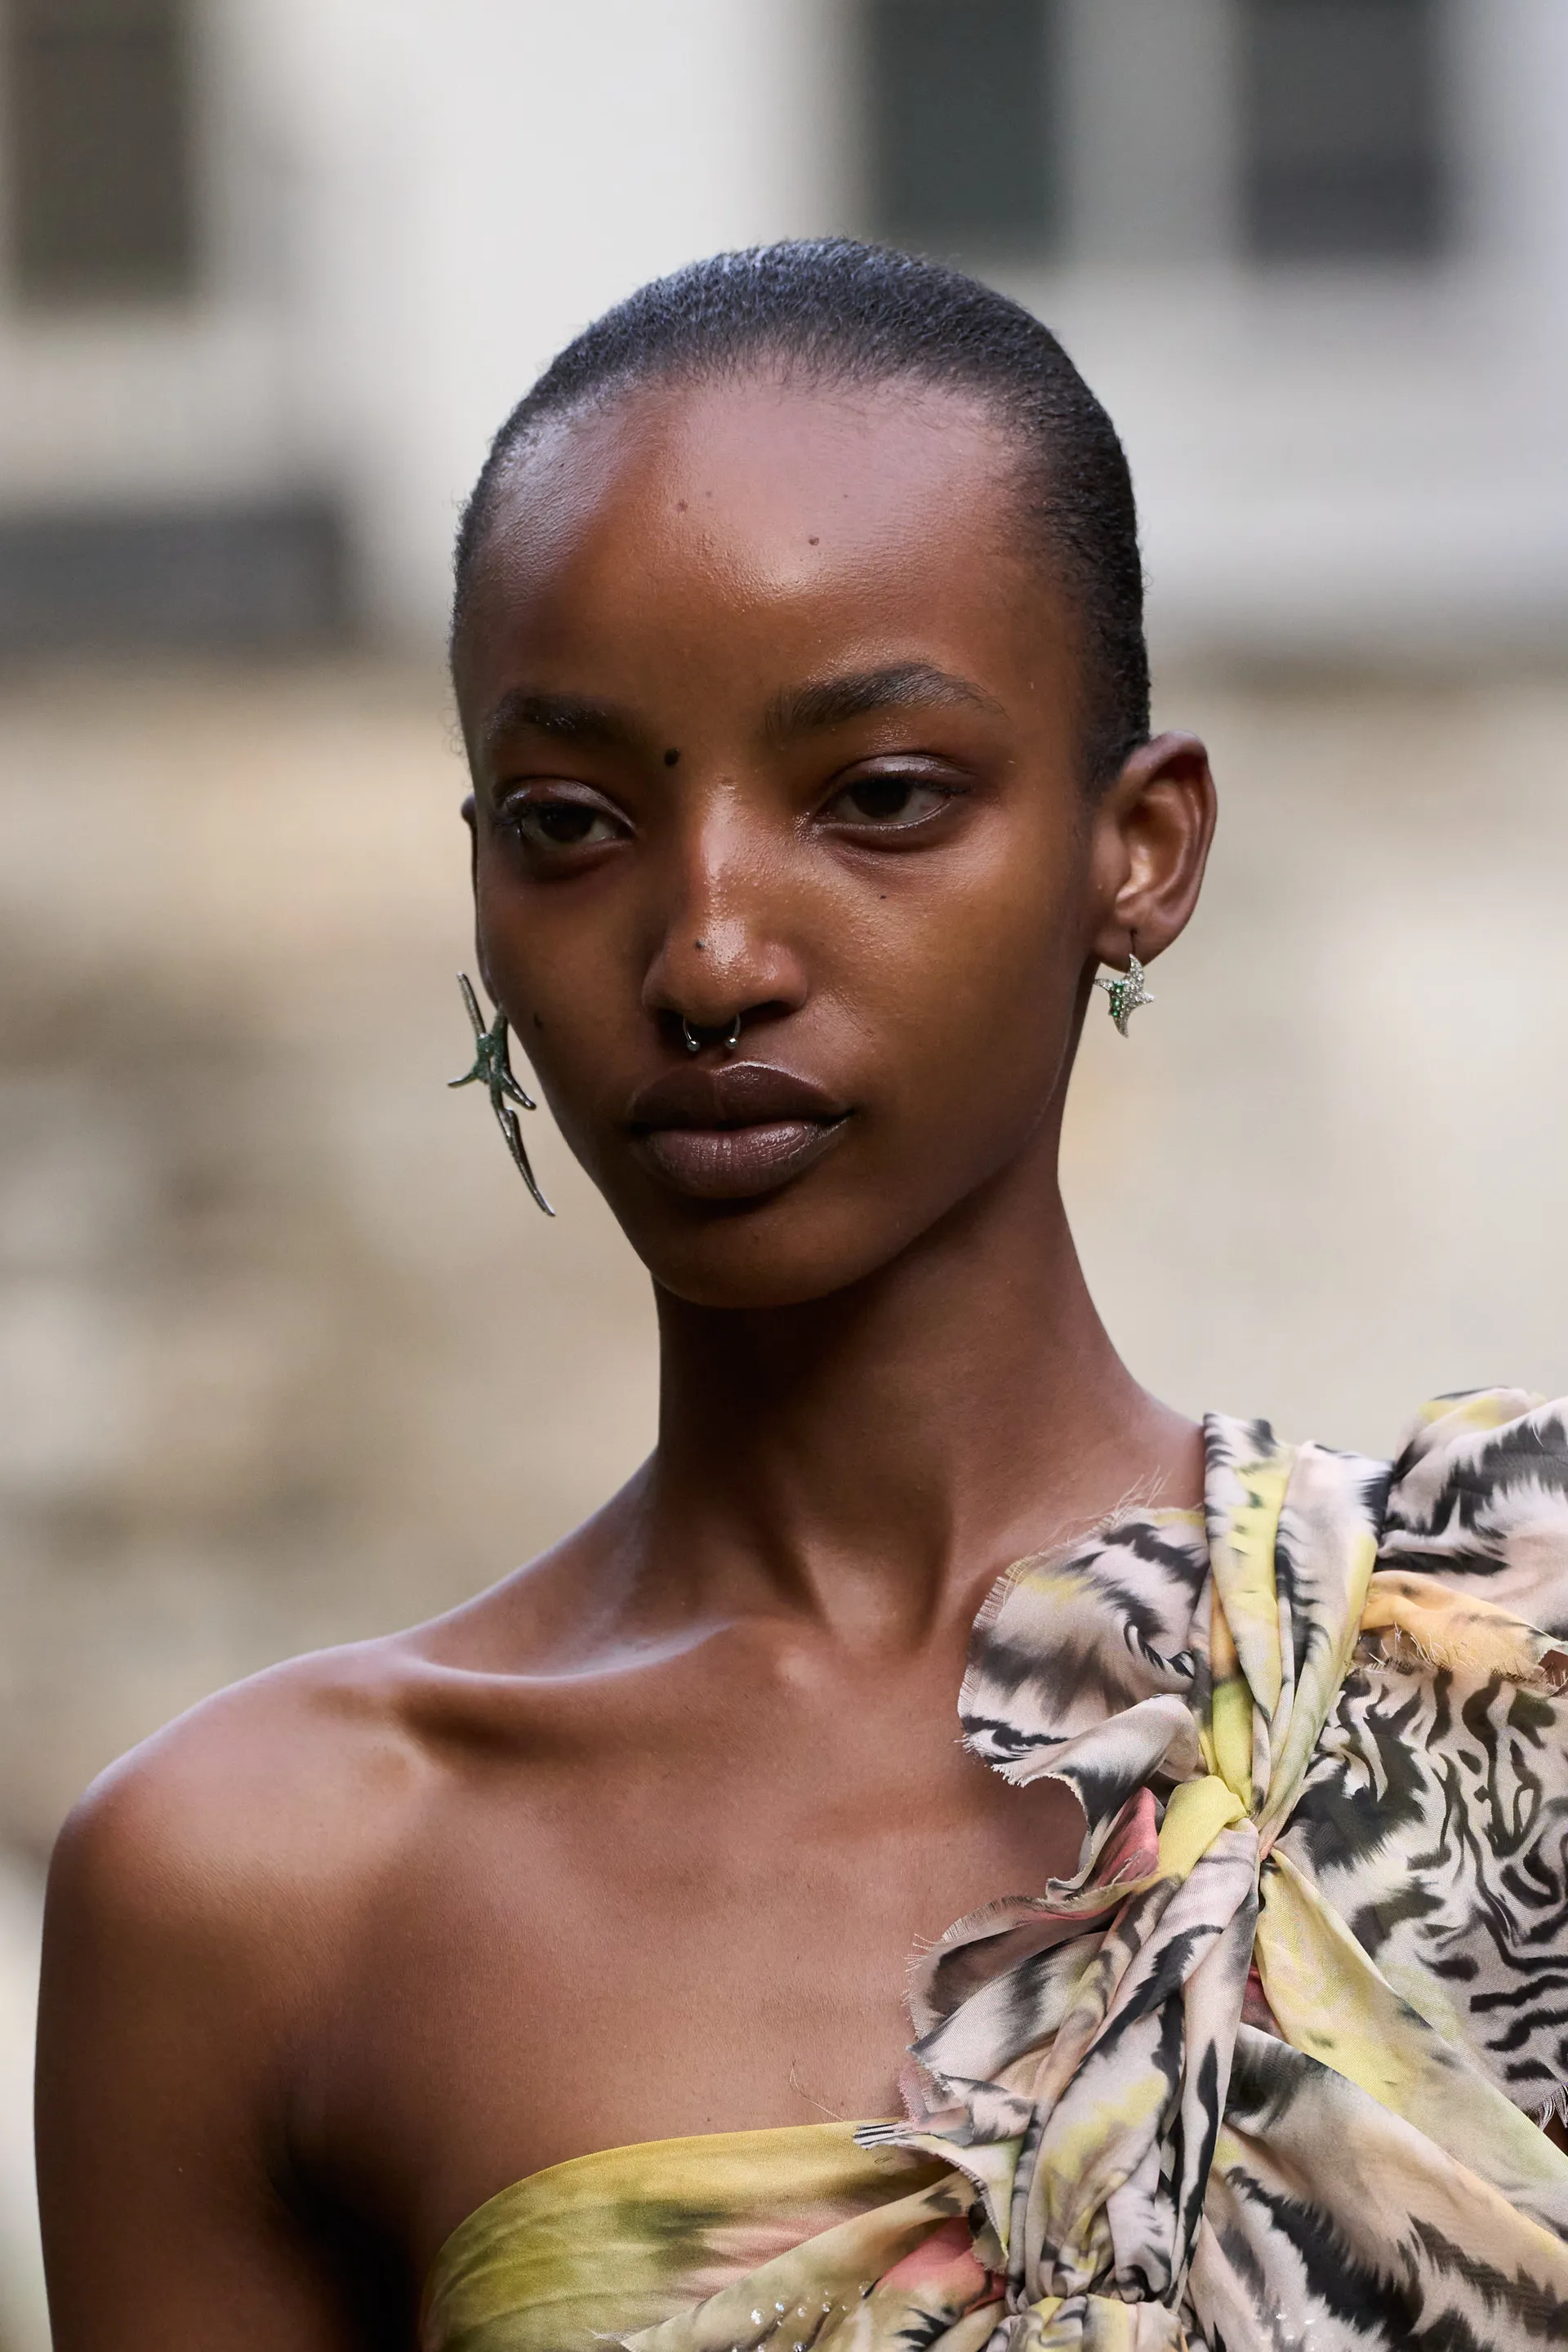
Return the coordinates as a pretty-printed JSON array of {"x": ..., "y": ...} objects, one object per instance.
[
  {"x": 534, "y": 967},
  {"x": 979, "y": 979}
]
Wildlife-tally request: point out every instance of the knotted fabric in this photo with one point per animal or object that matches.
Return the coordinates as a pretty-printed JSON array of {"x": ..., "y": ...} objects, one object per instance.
[{"x": 1263, "y": 2070}]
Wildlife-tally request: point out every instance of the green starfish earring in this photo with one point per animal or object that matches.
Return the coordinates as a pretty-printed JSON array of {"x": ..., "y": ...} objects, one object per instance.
[
  {"x": 492, "y": 1070},
  {"x": 1126, "y": 991}
]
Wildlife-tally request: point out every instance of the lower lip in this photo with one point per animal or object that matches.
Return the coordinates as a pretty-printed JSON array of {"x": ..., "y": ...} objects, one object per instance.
[{"x": 736, "y": 1164}]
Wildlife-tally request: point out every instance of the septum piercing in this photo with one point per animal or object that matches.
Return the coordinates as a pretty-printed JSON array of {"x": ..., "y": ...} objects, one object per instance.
[{"x": 693, "y": 1043}]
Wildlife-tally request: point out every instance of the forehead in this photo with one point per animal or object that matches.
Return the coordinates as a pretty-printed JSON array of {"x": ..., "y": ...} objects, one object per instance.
[{"x": 764, "y": 509}]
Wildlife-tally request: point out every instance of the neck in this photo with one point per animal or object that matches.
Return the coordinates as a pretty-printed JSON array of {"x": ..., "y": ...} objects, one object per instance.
[{"x": 878, "y": 1457}]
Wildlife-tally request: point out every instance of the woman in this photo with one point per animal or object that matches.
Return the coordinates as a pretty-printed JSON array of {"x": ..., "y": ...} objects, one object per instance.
[{"x": 537, "y": 1979}]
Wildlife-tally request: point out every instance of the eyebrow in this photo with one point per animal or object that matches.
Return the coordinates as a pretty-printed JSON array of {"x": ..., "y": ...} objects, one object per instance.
[
  {"x": 565, "y": 717},
  {"x": 818, "y": 704},
  {"x": 855, "y": 694}
]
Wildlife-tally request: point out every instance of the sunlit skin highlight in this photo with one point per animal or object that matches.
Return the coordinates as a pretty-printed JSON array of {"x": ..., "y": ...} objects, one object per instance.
[{"x": 773, "y": 711}]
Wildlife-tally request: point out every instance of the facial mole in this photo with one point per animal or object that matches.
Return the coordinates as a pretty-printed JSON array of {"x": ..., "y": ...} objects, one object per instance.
[
  {"x": 698, "y": 944},
  {"x": 814, "y": 542},
  {"x": 671, "y": 759},
  {"x": 680, "y": 506}
]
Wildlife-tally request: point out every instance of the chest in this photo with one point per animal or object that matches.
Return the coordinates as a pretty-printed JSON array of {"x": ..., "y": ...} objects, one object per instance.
[{"x": 713, "y": 1936}]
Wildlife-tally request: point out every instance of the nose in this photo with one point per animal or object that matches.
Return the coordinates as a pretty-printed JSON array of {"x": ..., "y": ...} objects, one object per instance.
[{"x": 724, "y": 960}]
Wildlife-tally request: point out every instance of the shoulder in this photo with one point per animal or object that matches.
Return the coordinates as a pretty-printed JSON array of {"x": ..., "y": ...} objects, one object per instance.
[{"x": 245, "y": 1828}]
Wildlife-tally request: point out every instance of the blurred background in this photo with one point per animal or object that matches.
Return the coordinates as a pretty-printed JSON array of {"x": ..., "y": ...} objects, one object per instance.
[{"x": 286, "y": 1355}]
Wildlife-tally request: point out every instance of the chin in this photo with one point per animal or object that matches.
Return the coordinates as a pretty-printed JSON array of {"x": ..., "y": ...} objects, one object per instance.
[{"x": 779, "y": 1253}]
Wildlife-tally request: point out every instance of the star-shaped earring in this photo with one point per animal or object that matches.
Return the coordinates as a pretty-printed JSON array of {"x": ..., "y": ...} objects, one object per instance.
[
  {"x": 492, "y": 1070},
  {"x": 1126, "y": 991}
]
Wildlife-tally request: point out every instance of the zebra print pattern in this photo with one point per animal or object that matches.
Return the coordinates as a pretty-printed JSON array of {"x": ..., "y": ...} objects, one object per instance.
[{"x": 1262, "y": 2073}]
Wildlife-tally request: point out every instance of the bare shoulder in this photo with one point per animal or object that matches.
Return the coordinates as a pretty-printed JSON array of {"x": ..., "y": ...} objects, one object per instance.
[
  {"x": 247, "y": 1824},
  {"x": 265, "y": 1828}
]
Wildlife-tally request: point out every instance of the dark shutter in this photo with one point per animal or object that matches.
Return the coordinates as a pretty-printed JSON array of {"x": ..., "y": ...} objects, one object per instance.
[
  {"x": 959, "y": 98},
  {"x": 1344, "y": 142},
  {"x": 99, "y": 149}
]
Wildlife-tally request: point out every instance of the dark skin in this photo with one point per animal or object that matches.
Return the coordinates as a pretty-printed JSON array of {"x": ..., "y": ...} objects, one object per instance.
[{"x": 772, "y": 718}]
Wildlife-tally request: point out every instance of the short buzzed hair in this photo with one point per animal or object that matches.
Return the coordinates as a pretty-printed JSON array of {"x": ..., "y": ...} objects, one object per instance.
[{"x": 846, "y": 312}]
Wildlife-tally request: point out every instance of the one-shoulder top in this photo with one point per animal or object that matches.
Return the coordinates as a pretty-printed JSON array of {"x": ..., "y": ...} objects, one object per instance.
[{"x": 1269, "y": 2069}]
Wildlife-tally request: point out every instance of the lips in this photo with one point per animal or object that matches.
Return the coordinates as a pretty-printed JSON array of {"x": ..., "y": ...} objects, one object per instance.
[{"x": 734, "y": 1132}]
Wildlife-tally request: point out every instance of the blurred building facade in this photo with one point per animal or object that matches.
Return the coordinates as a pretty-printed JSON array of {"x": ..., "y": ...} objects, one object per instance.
[{"x": 273, "y": 270}]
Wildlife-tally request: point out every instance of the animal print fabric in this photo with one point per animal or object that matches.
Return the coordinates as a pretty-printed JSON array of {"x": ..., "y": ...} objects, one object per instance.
[{"x": 1264, "y": 2073}]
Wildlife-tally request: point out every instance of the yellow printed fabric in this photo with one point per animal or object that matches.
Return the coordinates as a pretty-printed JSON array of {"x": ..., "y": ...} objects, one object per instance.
[
  {"x": 1267, "y": 2070},
  {"x": 607, "y": 2246}
]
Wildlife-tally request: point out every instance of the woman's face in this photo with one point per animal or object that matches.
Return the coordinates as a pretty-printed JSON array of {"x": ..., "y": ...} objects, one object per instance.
[{"x": 771, "y": 716}]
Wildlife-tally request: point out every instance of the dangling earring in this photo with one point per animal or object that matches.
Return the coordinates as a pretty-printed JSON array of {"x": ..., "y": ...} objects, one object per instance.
[
  {"x": 1125, "y": 989},
  {"x": 492, "y": 1070}
]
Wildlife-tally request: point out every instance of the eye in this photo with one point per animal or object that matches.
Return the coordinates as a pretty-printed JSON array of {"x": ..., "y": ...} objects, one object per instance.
[
  {"x": 548, "y": 822},
  {"x": 892, "y": 800}
]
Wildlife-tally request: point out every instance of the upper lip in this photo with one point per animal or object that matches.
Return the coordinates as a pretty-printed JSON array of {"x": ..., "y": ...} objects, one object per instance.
[{"x": 736, "y": 1094}]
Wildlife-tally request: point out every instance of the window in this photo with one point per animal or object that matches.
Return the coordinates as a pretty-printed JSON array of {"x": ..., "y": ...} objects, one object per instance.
[
  {"x": 99, "y": 149},
  {"x": 959, "y": 110},
  {"x": 1342, "y": 129}
]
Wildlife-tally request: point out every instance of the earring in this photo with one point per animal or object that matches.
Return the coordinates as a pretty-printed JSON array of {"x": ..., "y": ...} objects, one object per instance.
[
  {"x": 492, "y": 1070},
  {"x": 1125, "y": 990}
]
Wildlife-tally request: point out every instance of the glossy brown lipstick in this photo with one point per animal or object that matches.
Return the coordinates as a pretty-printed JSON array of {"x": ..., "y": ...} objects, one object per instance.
[{"x": 735, "y": 1132}]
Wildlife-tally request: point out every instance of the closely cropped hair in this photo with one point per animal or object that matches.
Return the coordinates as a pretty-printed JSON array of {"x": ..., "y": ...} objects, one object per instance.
[{"x": 860, "y": 314}]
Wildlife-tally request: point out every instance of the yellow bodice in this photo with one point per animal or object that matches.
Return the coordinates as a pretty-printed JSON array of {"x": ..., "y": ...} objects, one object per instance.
[{"x": 606, "y": 2245}]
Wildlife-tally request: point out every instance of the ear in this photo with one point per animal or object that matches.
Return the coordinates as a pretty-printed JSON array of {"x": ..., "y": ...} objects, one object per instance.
[
  {"x": 1150, "y": 844},
  {"x": 471, "y": 818}
]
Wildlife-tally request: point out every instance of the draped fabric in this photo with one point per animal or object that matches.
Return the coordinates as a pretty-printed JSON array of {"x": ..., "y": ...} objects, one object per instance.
[
  {"x": 1264, "y": 2071},
  {"x": 575, "y": 2258}
]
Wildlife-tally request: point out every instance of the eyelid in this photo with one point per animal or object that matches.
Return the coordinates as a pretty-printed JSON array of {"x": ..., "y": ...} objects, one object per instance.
[
  {"x": 908, "y": 755},
  {"x": 518, "y": 791},
  {"x": 924, "y": 767},
  {"x": 545, "y": 781}
]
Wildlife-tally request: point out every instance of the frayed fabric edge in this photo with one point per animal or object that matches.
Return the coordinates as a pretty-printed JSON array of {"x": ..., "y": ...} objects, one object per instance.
[{"x": 1491, "y": 1651}]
